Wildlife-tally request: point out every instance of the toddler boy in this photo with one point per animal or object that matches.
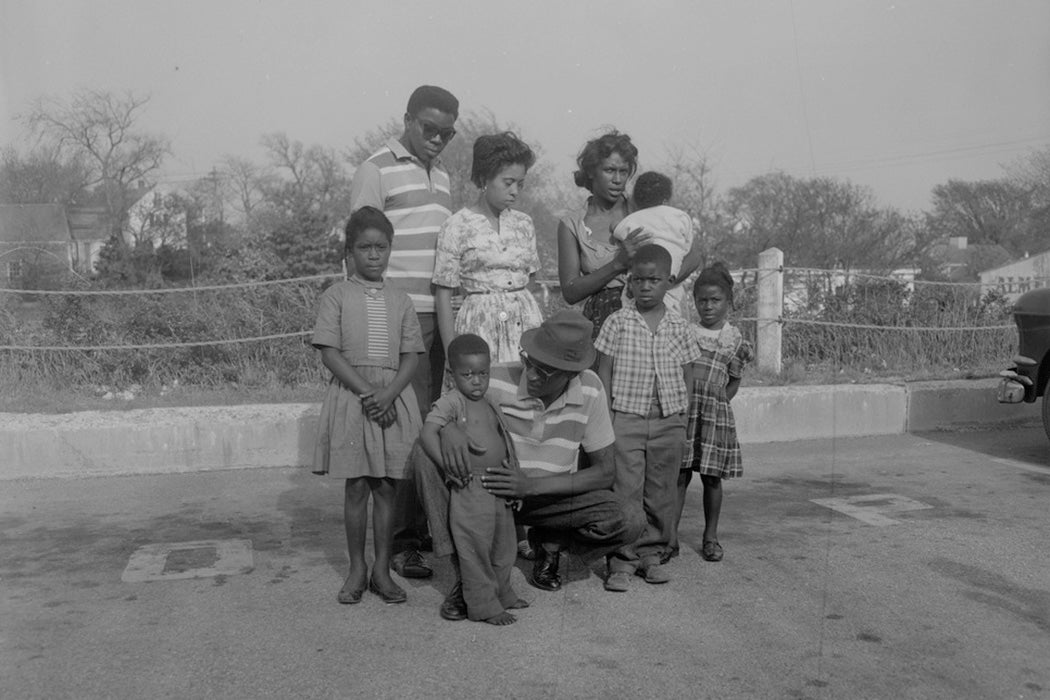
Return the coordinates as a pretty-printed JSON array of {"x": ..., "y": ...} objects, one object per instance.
[{"x": 482, "y": 525}]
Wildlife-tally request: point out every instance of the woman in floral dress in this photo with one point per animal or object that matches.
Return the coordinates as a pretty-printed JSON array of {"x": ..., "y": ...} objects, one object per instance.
[{"x": 489, "y": 250}]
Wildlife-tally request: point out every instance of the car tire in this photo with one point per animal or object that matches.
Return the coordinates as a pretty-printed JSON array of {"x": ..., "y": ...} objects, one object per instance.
[{"x": 1046, "y": 412}]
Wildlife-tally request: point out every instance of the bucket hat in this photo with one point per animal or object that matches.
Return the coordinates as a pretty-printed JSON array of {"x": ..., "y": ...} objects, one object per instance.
[{"x": 563, "y": 341}]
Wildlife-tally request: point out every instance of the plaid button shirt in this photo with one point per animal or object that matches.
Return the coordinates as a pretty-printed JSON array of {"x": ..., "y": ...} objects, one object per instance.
[{"x": 639, "y": 356}]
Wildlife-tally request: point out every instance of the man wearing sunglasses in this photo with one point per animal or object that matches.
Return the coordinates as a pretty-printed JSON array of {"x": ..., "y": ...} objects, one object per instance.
[
  {"x": 554, "y": 406},
  {"x": 404, "y": 180}
]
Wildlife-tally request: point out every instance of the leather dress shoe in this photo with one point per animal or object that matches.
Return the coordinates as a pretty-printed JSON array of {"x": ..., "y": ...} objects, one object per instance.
[
  {"x": 545, "y": 570},
  {"x": 411, "y": 564},
  {"x": 454, "y": 607}
]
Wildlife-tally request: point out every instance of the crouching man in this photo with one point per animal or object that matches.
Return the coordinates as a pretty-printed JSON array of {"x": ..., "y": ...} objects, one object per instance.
[{"x": 553, "y": 406}]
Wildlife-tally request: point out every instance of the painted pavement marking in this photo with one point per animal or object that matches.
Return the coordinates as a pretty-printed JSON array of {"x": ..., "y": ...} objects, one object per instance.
[
  {"x": 870, "y": 508},
  {"x": 180, "y": 560},
  {"x": 1022, "y": 465}
]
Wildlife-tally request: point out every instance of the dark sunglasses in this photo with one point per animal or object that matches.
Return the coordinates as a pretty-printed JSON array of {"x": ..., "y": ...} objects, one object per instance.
[
  {"x": 543, "y": 371},
  {"x": 432, "y": 130}
]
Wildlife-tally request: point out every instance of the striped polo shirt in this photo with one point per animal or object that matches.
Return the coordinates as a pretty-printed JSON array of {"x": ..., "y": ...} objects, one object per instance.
[
  {"x": 417, "y": 203},
  {"x": 548, "y": 440}
]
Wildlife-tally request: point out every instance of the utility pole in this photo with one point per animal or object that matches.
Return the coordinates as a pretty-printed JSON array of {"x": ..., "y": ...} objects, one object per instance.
[{"x": 216, "y": 196}]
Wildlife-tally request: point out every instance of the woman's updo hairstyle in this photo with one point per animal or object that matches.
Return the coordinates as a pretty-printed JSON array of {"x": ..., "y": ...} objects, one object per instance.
[
  {"x": 494, "y": 152},
  {"x": 715, "y": 275},
  {"x": 597, "y": 150}
]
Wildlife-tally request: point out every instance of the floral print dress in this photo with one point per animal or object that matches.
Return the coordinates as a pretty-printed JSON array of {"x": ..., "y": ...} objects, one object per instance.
[{"x": 493, "y": 268}]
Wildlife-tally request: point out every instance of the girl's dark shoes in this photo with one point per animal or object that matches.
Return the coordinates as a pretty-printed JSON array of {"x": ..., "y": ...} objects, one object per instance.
[
  {"x": 712, "y": 551},
  {"x": 390, "y": 596},
  {"x": 350, "y": 593}
]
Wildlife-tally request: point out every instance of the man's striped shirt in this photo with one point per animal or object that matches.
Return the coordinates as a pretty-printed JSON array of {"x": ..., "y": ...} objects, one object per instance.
[
  {"x": 548, "y": 440},
  {"x": 417, "y": 203}
]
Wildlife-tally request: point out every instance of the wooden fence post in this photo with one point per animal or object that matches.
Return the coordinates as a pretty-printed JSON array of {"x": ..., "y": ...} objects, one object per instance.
[{"x": 770, "y": 309}]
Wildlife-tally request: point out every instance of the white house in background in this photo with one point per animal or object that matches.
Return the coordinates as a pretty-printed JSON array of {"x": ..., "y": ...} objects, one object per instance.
[
  {"x": 159, "y": 217},
  {"x": 38, "y": 239},
  {"x": 89, "y": 227},
  {"x": 1015, "y": 278}
]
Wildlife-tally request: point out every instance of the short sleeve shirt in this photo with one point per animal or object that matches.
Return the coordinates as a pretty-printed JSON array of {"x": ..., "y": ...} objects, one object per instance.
[
  {"x": 417, "y": 201},
  {"x": 547, "y": 440},
  {"x": 642, "y": 357},
  {"x": 472, "y": 254},
  {"x": 370, "y": 324}
]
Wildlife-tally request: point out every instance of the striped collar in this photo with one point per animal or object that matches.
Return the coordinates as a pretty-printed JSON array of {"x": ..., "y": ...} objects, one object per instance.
[
  {"x": 572, "y": 396},
  {"x": 401, "y": 153}
]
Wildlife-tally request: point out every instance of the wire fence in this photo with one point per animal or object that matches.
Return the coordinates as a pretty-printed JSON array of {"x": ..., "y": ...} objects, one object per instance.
[
  {"x": 867, "y": 324},
  {"x": 258, "y": 332}
]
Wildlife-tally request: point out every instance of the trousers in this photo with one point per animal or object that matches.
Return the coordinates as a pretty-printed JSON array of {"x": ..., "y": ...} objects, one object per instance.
[
  {"x": 594, "y": 523},
  {"x": 648, "y": 456},
  {"x": 410, "y": 522},
  {"x": 482, "y": 528}
]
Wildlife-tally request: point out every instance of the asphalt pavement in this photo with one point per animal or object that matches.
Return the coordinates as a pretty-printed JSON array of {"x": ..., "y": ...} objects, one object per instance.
[{"x": 904, "y": 566}]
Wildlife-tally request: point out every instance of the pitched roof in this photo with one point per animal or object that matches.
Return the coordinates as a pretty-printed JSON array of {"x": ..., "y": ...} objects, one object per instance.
[
  {"x": 34, "y": 223},
  {"x": 1041, "y": 257},
  {"x": 956, "y": 263},
  {"x": 88, "y": 223}
]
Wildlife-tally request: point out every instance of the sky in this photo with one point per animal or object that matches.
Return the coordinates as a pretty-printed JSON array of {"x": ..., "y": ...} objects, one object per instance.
[{"x": 897, "y": 96}]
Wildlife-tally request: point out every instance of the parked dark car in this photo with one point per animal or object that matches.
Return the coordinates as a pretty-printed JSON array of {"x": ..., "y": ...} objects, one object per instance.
[{"x": 1027, "y": 379}]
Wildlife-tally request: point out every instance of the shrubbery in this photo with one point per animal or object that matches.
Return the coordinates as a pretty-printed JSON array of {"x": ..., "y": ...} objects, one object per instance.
[
  {"x": 909, "y": 347},
  {"x": 207, "y": 316},
  {"x": 161, "y": 319}
]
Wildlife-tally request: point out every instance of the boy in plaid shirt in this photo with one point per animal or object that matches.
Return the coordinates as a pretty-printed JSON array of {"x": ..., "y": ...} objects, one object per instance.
[{"x": 644, "y": 356}]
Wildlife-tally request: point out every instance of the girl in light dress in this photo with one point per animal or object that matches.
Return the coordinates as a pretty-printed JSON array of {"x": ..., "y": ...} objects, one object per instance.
[{"x": 370, "y": 340}]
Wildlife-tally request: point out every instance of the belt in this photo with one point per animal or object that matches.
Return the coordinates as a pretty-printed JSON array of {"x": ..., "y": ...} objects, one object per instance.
[{"x": 496, "y": 291}]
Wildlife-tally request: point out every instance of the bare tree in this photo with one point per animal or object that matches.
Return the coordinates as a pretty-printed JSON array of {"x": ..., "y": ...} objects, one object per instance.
[
  {"x": 817, "y": 222},
  {"x": 98, "y": 128},
  {"x": 244, "y": 184},
  {"x": 312, "y": 177},
  {"x": 986, "y": 212},
  {"x": 365, "y": 146},
  {"x": 42, "y": 176},
  {"x": 694, "y": 192}
]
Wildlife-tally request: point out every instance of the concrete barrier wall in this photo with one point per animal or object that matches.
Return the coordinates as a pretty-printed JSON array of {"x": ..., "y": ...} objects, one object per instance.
[
  {"x": 97, "y": 443},
  {"x": 933, "y": 405},
  {"x": 773, "y": 414}
]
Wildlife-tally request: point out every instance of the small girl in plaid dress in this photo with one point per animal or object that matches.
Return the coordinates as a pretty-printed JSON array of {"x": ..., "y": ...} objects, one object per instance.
[{"x": 712, "y": 448}]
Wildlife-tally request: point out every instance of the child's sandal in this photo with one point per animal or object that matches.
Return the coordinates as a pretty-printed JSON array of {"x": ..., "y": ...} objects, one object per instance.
[{"x": 712, "y": 551}]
